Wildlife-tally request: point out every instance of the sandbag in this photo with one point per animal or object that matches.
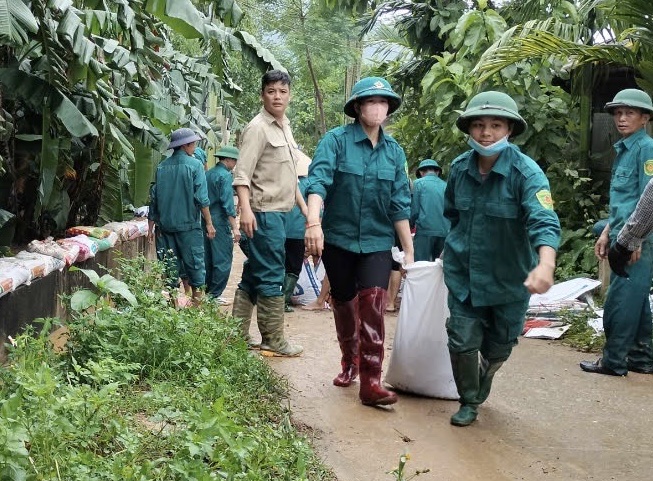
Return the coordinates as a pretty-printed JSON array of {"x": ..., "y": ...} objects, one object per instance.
[
  {"x": 11, "y": 276},
  {"x": 420, "y": 358},
  {"x": 309, "y": 283},
  {"x": 87, "y": 247},
  {"x": 51, "y": 248}
]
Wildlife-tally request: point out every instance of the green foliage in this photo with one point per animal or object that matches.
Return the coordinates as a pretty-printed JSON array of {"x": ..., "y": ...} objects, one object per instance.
[
  {"x": 147, "y": 392},
  {"x": 580, "y": 335},
  {"x": 104, "y": 287},
  {"x": 90, "y": 91}
]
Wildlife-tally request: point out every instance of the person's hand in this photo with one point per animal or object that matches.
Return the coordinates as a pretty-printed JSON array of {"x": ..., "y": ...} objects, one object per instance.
[
  {"x": 618, "y": 257},
  {"x": 210, "y": 231},
  {"x": 236, "y": 234},
  {"x": 601, "y": 247},
  {"x": 314, "y": 240},
  {"x": 540, "y": 279},
  {"x": 248, "y": 222}
]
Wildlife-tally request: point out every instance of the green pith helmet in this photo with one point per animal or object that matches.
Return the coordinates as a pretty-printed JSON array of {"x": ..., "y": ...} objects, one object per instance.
[
  {"x": 426, "y": 164},
  {"x": 368, "y": 87},
  {"x": 631, "y": 98},
  {"x": 492, "y": 104},
  {"x": 228, "y": 151}
]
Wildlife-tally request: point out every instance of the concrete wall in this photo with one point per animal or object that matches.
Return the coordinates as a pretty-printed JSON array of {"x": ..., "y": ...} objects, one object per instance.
[{"x": 42, "y": 297}]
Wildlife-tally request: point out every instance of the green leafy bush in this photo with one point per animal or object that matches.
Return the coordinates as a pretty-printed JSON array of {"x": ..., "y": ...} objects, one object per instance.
[{"x": 147, "y": 392}]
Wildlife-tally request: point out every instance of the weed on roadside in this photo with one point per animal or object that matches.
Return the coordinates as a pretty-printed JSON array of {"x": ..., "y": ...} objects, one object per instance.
[
  {"x": 144, "y": 391},
  {"x": 580, "y": 335}
]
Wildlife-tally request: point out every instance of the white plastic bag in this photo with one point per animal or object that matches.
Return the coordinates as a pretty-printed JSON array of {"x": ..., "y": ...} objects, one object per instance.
[
  {"x": 420, "y": 358},
  {"x": 309, "y": 283}
]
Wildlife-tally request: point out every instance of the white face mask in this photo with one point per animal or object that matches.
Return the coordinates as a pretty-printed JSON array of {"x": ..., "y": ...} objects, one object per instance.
[
  {"x": 489, "y": 150},
  {"x": 373, "y": 114}
]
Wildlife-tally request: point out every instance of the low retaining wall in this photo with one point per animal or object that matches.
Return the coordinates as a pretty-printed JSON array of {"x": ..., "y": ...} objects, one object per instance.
[{"x": 41, "y": 298}]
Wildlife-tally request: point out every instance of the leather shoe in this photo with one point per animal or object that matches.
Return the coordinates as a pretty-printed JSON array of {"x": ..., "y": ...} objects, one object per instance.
[
  {"x": 641, "y": 370},
  {"x": 598, "y": 368}
]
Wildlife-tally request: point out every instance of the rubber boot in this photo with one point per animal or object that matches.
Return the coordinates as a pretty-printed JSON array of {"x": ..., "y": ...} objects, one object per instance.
[
  {"x": 270, "y": 324},
  {"x": 242, "y": 309},
  {"x": 487, "y": 371},
  {"x": 345, "y": 314},
  {"x": 371, "y": 305},
  {"x": 466, "y": 373},
  {"x": 289, "y": 283}
]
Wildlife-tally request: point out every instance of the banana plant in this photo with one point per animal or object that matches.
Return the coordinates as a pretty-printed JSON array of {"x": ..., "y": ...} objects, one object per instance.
[{"x": 89, "y": 86}]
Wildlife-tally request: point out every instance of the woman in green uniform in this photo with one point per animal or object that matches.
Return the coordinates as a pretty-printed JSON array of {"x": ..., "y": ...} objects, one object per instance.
[
  {"x": 501, "y": 247},
  {"x": 359, "y": 172}
]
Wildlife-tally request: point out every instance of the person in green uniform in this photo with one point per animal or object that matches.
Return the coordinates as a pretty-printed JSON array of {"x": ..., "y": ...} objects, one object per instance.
[
  {"x": 265, "y": 179},
  {"x": 200, "y": 154},
  {"x": 427, "y": 211},
  {"x": 501, "y": 247},
  {"x": 179, "y": 198},
  {"x": 627, "y": 312},
  {"x": 218, "y": 252},
  {"x": 359, "y": 172},
  {"x": 295, "y": 234}
]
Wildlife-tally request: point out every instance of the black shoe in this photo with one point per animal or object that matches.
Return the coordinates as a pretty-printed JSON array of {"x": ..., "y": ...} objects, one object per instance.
[
  {"x": 598, "y": 368},
  {"x": 641, "y": 370}
]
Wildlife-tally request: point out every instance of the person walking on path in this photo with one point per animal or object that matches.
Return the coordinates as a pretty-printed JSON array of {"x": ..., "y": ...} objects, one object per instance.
[
  {"x": 295, "y": 229},
  {"x": 627, "y": 312},
  {"x": 219, "y": 251},
  {"x": 499, "y": 203},
  {"x": 178, "y": 197},
  {"x": 265, "y": 178},
  {"x": 427, "y": 211},
  {"x": 358, "y": 170}
]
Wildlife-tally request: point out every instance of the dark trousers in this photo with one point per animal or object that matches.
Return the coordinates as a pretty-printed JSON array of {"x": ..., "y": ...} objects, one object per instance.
[{"x": 350, "y": 272}]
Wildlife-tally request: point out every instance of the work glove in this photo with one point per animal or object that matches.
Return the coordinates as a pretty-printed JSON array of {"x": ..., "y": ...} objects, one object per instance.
[{"x": 618, "y": 257}]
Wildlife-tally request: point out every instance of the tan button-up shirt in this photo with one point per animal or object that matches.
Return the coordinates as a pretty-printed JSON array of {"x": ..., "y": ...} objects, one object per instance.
[{"x": 268, "y": 164}]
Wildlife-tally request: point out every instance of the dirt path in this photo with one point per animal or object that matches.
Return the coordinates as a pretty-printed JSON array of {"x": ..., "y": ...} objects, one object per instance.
[{"x": 545, "y": 419}]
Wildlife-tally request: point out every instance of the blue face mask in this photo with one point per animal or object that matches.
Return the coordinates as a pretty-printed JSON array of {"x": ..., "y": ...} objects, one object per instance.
[{"x": 490, "y": 150}]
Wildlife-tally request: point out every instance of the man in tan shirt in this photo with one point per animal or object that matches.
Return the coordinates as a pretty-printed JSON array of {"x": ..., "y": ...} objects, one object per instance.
[{"x": 265, "y": 179}]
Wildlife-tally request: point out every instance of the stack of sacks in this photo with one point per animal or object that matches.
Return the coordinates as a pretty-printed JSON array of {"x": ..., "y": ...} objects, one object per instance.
[
  {"x": 37, "y": 265},
  {"x": 12, "y": 275},
  {"x": 48, "y": 247},
  {"x": 87, "y": 247},
  {"x": 130, "y": 229}
]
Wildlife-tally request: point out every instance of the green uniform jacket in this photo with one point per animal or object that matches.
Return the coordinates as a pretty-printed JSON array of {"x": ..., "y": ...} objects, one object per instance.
[
  {"x": 365, "y": 189},
  {"x": 631, "y": 171},
  {"x": 427, "y": 207},
  {"x": 179, "y": 193},
  {"x": 221, "y": 194},
  {"x": 295, "y": 220},
  {"x": 496, "y": 227}
]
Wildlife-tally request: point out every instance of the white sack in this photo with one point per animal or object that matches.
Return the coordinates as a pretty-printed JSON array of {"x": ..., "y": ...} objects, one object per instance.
[{"x": 420, "y": 358}]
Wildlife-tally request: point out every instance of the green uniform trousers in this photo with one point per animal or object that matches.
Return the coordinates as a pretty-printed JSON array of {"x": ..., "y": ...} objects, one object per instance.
[
  {"x": 427, "y": 248},
  {"x": 492, "y": 330},
  {"x": 183, "y": 252},
  {"x": 264, "y": 270},
  {"x": 627, "y": 317},
  {"x": 218, "y": 255}
]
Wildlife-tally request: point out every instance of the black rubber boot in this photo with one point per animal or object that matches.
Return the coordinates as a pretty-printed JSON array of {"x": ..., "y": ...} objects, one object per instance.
[
  {"x": 466, "y": 373},
  {"x": 289, "y": 283}
]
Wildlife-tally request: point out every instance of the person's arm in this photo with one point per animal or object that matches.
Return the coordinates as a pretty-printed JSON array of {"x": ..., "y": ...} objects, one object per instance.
[
  {"x": 247, "y": 219},
  {"x": 540, "y": 279},
  {"x": 403, "y": 232},
  {"x": 603, "y": 243},
  {"x": 253, "y": 144},
  {"x": 640, "y": 223},
  {"x": 301, "y": 203},
  {"x": 210, "y": 229},
  {"x": 320, "y": 177}
]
